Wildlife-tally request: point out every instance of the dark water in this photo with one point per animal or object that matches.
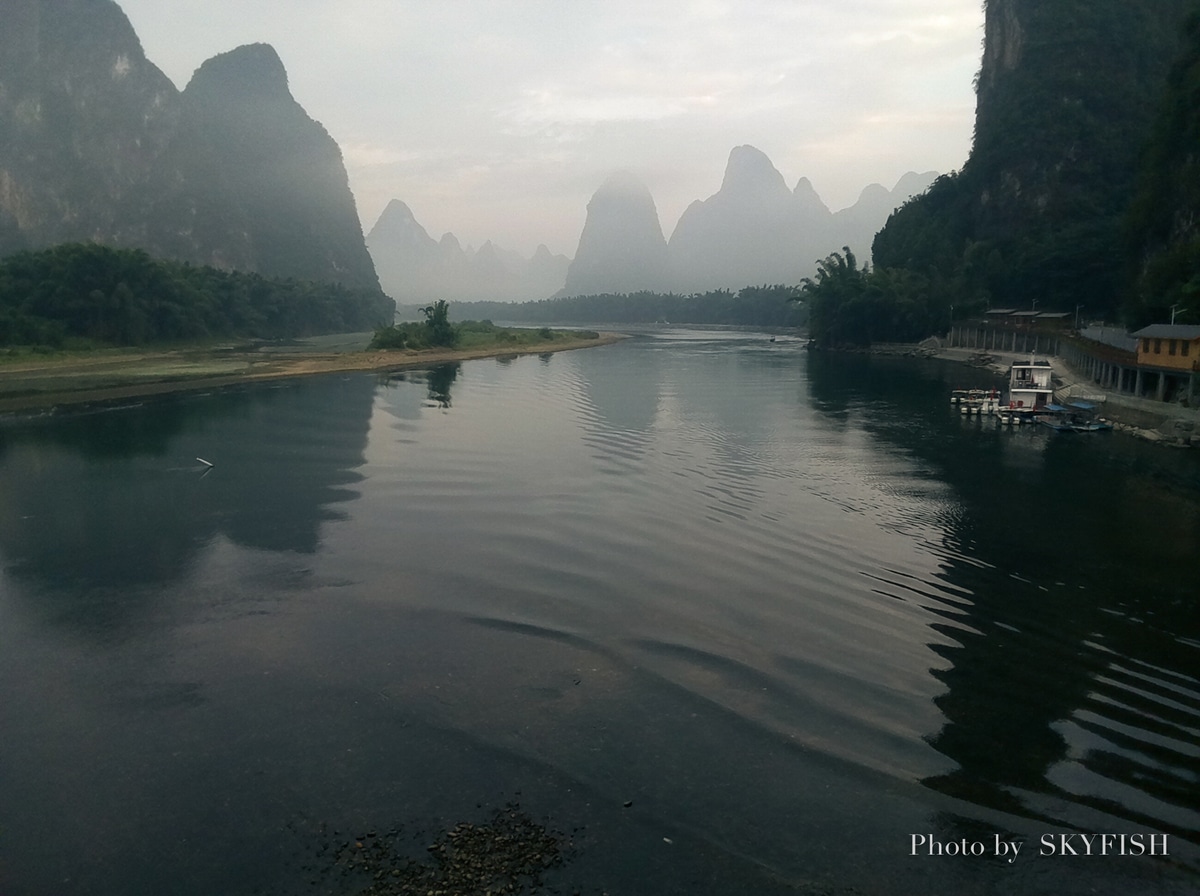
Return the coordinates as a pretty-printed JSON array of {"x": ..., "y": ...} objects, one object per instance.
[{"x": 790, "y": 608}]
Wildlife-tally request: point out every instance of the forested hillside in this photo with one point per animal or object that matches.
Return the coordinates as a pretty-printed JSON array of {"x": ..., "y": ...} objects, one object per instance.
[
  {"x": 1163, "y": 228},
  {"x": 1067, "y": 98},
  {"x": 761, "y": 306},
  {"x": 97, "y": 144},
  {"x": 99, "y": 295}
]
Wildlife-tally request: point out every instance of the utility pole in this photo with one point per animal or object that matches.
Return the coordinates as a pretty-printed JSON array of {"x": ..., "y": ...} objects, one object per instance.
[{"x": 1174, "y": 308}]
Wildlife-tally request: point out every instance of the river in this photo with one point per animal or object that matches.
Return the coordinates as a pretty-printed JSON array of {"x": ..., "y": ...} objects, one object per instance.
[{"x": 725, "y": 615}]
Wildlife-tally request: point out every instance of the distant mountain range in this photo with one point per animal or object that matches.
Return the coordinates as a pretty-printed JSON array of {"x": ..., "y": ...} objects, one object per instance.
[
  {"x": 753, "y": 231},
  {"x": 97, "y": 144},
  {"x": 414, "y": 268}
]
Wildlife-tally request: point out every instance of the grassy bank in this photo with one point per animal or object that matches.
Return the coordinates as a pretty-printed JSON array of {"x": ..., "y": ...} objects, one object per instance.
[{"x": 34, "y": 381}]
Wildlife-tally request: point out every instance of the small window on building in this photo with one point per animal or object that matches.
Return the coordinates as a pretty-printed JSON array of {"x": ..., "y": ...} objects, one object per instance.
[
  {"x": 1184, "y": 347},
  {"x": 1146, "y": 345},
  {"x": 1170, "y": 346},
  {"x": 1158, "y": 346}
]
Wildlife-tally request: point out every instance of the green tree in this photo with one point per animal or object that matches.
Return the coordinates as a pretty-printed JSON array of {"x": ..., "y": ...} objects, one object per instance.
[
  {"x": 437, "y": 322},
  {"x": 1062, "y": 114},
  {"x": 837, "y": 298},
  {"x": 125, "y": 297},
  {"x": 1162, "y": 227}
]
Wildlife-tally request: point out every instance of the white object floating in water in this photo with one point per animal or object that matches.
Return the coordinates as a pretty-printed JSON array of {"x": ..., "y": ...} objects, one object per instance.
[{"x": 207, "y": 463}]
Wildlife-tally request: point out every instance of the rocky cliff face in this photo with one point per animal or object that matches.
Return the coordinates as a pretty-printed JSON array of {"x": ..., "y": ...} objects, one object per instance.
[
  {"x": 97, "y": 144},
  {"x": 83, "y": 118},
  {"x": 254, "y": 154},
  {"x": 1066, "y": 97},
  {"x": 1164, "y": 219},
  {"x": 1065, "y": 100}
]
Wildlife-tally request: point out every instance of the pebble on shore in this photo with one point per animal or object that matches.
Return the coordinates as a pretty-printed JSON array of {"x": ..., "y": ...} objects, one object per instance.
[{"x": 509, "y": 853}]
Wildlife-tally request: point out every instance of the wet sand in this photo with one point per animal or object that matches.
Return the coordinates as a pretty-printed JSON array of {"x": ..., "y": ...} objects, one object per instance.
[{"x": 40, "y": 383}]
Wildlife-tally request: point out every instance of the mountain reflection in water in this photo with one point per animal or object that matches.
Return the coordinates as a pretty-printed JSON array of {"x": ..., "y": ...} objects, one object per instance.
[{"x": 732, "y": 616}]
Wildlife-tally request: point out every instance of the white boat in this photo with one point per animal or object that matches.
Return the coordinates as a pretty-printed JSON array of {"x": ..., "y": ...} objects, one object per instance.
[
  {"x": 1030, "y": 389},
  {"x": 1018, "y": 416},
  {"x": 976, "y": 401}
]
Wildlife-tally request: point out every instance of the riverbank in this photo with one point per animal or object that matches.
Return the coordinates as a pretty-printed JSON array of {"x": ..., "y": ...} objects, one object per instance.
[
  {"x": 41, "y": 383},
  {"x": 1171, "y": 424}
]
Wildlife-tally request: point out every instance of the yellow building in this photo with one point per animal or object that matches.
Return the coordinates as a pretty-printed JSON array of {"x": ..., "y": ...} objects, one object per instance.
[
  {"x": 1169, "y": 346},
  {"x": 1169, "y": 354}
]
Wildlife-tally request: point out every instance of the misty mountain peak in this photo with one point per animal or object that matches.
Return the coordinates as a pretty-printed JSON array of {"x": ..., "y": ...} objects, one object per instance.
[
  {"x": 751, "y": 231},
  {"x": 756, "y": 230},
  {"x": 807, "y": 197},
  {"x": 622, "y": 203},
  {"x": 750, "y": 174},
  {"x": 876, "y": 199},
  {"x": 913, "y": 184},
  {"x": 397, "y": 225},
  {"x": 622, "y": 247},
  {"x": 249, "y": 71},
  {"x": 622, "y": 186},
  {"x": 874, "y": 194},
  {"x": 414, "y": 268},
  {"x": 396, "y": 212}
]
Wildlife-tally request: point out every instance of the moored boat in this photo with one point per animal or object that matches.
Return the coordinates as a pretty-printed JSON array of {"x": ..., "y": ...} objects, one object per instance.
[
  {"x": 1030, "y": 383},
  {"x": 1012, "y": 416},
  {"x": 976, "y": 401},
  {"x": 1078, "y": 416}
]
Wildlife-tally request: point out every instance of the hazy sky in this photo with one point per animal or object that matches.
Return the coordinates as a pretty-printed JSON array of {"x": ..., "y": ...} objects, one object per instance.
[{"x": 498, "y": 119}]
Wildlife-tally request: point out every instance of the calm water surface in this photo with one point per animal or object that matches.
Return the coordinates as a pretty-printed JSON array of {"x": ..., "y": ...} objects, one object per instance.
[{"x": 789, "y": 608}]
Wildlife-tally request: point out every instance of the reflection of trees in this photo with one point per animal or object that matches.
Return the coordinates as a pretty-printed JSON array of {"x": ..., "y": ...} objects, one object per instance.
[
  {"x": 439, "y": 380},
  {"x": 102, "y": 433},
  {"x": 96, "y": 505},
  {"x": 1071, "y": 675}
]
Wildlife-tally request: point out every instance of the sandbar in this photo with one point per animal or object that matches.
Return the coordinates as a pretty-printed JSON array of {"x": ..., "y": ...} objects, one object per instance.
[{"x": 40, "y": 383}]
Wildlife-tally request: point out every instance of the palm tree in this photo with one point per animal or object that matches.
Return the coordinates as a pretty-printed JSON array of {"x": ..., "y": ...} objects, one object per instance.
[{"x": 834, "y": 299}]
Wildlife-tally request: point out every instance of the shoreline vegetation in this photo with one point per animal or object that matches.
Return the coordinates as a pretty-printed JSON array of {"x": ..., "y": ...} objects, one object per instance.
[
  {"x": 32, "y": 382},
  {"x": 36, "y": 382},
  {"x": 82, "y": 323}
]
